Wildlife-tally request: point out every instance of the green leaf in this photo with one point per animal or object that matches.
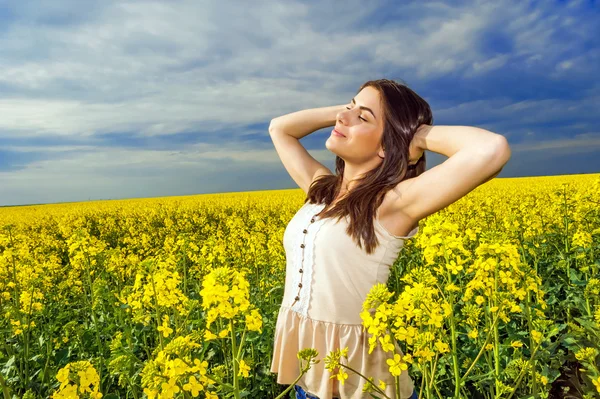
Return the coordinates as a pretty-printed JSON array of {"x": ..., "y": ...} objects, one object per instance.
[
  {"x": 576, "y": 279},
  {"x": 62, "y": 355},
  {"x": 8, "y": 365}
]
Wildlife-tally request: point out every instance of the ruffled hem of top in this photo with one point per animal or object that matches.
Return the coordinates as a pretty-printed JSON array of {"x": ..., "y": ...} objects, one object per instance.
[{"x": 294, "y": 332}]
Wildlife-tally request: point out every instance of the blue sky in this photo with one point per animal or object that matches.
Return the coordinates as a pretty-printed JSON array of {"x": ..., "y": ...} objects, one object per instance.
[{"x": 123, "y": 99}]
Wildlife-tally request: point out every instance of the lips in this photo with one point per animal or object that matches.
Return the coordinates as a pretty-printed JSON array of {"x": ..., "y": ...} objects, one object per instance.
[{"x": 336, "y": 131}]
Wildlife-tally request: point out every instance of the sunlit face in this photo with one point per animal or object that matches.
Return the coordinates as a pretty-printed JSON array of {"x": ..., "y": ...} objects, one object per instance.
[{"x": 362, "y": 124}]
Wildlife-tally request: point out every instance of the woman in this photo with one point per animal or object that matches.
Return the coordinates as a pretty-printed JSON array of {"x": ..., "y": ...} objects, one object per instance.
[{"x": 353, "y": 224}]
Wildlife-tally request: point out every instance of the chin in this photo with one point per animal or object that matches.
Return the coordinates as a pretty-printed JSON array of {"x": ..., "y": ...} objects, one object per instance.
[{"x": 331, "y": 148}]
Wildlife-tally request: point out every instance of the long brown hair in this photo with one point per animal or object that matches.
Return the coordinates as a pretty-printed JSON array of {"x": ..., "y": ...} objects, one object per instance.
[{"x": 403, "y": 112}]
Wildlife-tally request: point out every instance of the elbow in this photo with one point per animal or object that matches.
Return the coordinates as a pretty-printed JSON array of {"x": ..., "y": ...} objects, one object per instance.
[
  {"x": 503, "y": 151},
  {"x": 272, "y": 125},
  {"x": 500, "y": 152}
]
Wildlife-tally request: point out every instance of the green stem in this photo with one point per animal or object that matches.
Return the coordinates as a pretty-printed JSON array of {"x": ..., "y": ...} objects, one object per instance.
[
  {"x": 454, "y": 355},
  {"x": 48, "y": 354},
  {"x": 17, "y": 293},
  {"x": 587, "y": 299},
  {"x": 303, "y": 371},
  {"x": 236, "y": 387},
  {"x": 487, "y": 339},
  {"x": 453, "y": 334},
  {"x": 531, "y": 343},
  {"x": 158, "y": 315},
  {"x": 422, "y": 389},
  {"x": 185, "y": 272},
  {"x": 27, "y": 334},
  {"x": 96, "y": 326},
  {"x": 5, "y": 390},
  {"x": 496, "y": 337},
  {"x": 522, "y": 373},
  {"x": 374, "y": 386},
  {"x": 239, "y": 352},
  {"x": 433, "y": 371}
]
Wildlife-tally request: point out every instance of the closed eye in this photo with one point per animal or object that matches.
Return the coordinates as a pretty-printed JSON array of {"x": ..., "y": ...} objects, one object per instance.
[{"x": 359, "y": 116}]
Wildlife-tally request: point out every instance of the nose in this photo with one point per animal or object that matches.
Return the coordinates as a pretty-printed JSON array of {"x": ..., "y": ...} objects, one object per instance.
[{"x": 341, "y": 116}]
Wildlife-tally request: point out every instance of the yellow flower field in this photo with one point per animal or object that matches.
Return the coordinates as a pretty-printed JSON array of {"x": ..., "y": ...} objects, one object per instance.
[{"x": 177, "y": 297}]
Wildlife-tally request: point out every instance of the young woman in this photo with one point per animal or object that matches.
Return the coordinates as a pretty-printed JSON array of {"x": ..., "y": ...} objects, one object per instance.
[{"x": 354, "y": 222}]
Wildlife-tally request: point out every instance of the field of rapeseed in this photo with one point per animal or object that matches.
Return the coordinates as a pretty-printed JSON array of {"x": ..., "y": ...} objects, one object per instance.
[{"x": 497, "y": 296}]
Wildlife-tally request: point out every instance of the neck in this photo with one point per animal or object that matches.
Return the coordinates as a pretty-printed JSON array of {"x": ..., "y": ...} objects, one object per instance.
[{"x": 354, "y": 172}]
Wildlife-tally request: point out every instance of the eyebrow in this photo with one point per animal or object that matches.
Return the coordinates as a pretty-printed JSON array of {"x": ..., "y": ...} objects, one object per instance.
[{"x": 365, "y": 108}]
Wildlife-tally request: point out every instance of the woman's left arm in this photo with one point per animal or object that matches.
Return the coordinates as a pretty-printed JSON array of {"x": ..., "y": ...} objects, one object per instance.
[
  {"x": 474, "y": 156},
  {"x": 448, "y": 140}
]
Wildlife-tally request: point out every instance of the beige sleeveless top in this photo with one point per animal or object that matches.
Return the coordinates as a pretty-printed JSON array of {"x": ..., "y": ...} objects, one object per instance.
[{"x": 327, "y": 280}]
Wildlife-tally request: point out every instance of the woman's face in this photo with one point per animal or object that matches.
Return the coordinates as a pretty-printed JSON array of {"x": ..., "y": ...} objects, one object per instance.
[{"x": 363, "y": 128}]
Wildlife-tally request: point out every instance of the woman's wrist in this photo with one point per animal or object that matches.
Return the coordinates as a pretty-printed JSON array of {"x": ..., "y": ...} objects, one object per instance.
[{"x": 420, "y": 135}]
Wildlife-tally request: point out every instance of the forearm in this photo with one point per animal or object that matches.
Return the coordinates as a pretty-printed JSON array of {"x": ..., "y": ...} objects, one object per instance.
[
  {"x": 302, "y": 123},
  {"x": 447, "y": 140}
]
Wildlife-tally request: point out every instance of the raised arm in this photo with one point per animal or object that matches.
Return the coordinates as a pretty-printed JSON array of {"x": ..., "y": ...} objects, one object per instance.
[
  {"x": 474, "y": 156},
  {"x": 286, "y": 132}
]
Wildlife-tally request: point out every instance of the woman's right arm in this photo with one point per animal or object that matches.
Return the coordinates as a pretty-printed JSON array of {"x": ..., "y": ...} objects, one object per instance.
[
  {"x": 302, "y": 123},
  {"x": 286, "y": 132}
]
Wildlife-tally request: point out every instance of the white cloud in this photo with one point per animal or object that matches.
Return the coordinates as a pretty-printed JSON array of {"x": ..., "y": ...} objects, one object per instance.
[
  {"x": 585, "y": 142},
  {"x": 489, "y": 65},
  {"x": 162, "y": 68}
]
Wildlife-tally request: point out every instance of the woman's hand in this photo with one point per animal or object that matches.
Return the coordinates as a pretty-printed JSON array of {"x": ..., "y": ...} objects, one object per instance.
[{"x": 415, "y": 150}]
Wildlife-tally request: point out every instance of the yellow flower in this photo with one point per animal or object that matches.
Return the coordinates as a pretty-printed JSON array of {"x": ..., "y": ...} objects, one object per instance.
[
  {"x": 86, "y": 378},
  {"x": 224, "y": 333},
  {"x": 170, "y": 388},
  {"x": 516, "y": 344},
  {"x": 193, "y": 386},
  {"x": 473, "y": 334},
  {"x": 596, "y": 382},
  {"x": 332, "y": 360},
  {"x": 63, "y": 374},
  {"x": 342, "y": 375},
  {"x": 386, "y": 344},
  {"x": 382, "y": 384},
  {"x": 166, "y": 330},
  {"x": 199, "y": 366},
  {"x": 244, "y": 369},
  {"x": 254, "y": 321},
  {"x": 442, "y": 347},
  {"x": 537, "y": 336},
  {"x": 208, "y": 335},
  {"x": 396, "y": 365},
  {"x": 587, "y": 354},
  {"x": 68, "y": 392},
  {"x": 211, "y": 395}
]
